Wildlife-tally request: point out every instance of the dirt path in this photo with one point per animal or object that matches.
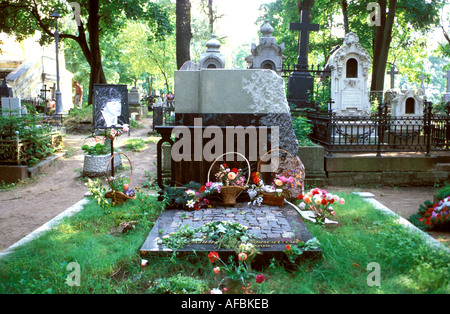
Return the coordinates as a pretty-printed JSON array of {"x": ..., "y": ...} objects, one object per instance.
[{"x": 29, "y": 206}]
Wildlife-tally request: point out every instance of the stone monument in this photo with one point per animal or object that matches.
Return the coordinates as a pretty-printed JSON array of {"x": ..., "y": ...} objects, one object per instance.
[
  {"x": 349, "y": 67},
  {"x": 134, "y": 102},
  {"x": 236, "y": 98},
  {"x": 11, "y": 106},
  {"x": 266, "y": 55},
  {"x": 407, "y": 103},
  {"x": 301, "y": 82},
  {"x": 212, "y": 59}
]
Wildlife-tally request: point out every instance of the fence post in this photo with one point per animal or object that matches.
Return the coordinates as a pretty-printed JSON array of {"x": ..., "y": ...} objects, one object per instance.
[
  {"x": 380, "y": 128},
  {"x": 429, "y": 107},
  {"x": 18, "y": 148}
]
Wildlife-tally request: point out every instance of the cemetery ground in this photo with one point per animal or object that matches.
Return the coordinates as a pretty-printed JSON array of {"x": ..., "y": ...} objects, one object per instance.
[{"x": 111, "y": 263}]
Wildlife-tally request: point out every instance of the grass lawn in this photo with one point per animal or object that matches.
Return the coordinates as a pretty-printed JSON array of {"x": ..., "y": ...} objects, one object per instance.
[{"x": 110, "y": 263}]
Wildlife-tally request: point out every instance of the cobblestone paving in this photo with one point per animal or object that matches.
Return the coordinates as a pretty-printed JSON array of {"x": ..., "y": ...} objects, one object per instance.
[{"x": 262, "y": 221}]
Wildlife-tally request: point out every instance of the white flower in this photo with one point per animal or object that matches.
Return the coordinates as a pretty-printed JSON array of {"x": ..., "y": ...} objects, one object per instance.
[
  {"x": 302, "y": 206},
  {"x": 190, "y": 204},
  {"x": 190, "y": 192},
  {"x": 279, "y": 190},
  {"x": 216, "y": 291}
]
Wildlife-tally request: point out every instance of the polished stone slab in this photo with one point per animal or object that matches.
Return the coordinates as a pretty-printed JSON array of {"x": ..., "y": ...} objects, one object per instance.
[{"x": 273, "y": 228}]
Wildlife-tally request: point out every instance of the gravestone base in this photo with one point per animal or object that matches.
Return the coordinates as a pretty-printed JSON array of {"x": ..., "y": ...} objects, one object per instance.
[{"x": 273, "y": 228}]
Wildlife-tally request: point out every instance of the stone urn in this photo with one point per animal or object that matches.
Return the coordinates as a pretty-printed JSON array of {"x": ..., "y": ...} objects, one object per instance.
[{"x": 95, "y": 165}]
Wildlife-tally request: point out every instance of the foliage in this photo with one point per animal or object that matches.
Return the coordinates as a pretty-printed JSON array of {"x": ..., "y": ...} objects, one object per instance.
[
  {"x": 302, "y": 129},
  {"x": 96, "y": 150},
  {"x": 29, "y": 129},
  {"x": 192, "y": 195},
  {"x": 178, "y": 285},
  {"x": 226, "y": 234},
  {"x": 98, "y": 192},
  {"x": 136, "y": 144},
  {"x": 295, "y": 250}
]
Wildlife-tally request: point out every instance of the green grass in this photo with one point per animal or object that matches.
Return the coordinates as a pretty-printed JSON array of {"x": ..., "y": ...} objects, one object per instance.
[{"x": 110, "y": 263}]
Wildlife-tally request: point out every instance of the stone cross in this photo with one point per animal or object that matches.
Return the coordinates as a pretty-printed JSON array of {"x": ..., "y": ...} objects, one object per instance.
[
  {"x": 44, "y": 91},
  {"x": 392, "y": 73},
  {"x": 448, "y": 80},
  {"x": 422, "y": 78},
  {"x": 303, "y": 39}
]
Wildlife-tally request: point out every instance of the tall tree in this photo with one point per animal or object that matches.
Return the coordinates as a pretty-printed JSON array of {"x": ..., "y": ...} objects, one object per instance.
[
  {"x": 23, "y": 17},
  {"x": 183, "y": 31}
]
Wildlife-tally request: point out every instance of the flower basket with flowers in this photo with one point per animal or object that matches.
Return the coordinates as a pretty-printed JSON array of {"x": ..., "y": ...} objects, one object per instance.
[
  {"x": 120, "y": 186},
  {"x": 232, "y": 180},
  {"x": 275, "y": 193}
]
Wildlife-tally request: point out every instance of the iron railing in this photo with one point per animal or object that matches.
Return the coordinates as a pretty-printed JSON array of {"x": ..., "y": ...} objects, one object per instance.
[{"x": 381, "y": 132}]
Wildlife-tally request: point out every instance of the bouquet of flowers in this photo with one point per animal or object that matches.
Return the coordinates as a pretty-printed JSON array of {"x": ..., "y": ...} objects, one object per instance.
[
  {"x": 192, "y": 195},
  {"x": 321, "y": 202},
  {"x": 230, "y": 177},
  {"x": 433, "y": 215}
]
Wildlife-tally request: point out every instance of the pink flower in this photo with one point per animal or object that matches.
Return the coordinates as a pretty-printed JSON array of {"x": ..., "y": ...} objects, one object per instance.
[
  {"x": 342, "y": 202},
  {"x": 231, "y": 175},
  {"x": 125, "y": 128},
  {"x": 260, "y": 278},
  {"x": 209, "y": 184},
  {"x": 216, "y": 270},
  {"x": 126, "y": 186}
]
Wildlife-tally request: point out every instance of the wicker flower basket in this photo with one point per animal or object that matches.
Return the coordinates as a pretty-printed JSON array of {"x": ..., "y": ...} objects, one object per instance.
[
  {"x": 118, "y": 198},
  {"x": 273, "y": 198},
  {"x": 230, "y": 193}
]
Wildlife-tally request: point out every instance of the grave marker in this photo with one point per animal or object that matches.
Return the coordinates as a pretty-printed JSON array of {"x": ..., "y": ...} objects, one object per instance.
[
  {"x": 301, "y": 84},
  {"x": 392, "y": 72}
]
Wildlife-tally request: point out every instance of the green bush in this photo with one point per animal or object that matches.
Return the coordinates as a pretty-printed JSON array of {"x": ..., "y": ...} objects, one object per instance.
[
  {"x": 302, "y": 129},
  {"x": 96, "y": 150}
]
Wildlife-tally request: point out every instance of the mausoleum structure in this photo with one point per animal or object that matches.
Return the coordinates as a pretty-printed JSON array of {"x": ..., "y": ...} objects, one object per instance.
[
  {"x": 349, "y": 67},
  {"x": 267, "y": 54},
  {"x": 212, "y": 58}
]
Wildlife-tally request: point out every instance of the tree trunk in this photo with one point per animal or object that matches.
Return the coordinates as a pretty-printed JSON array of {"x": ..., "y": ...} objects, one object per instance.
[
  {"x": 97, "y": 74},
  {"x": 183, "y": 31},
  {"x": 381, "y": 45},
  {"x": 344, "y": 6}
]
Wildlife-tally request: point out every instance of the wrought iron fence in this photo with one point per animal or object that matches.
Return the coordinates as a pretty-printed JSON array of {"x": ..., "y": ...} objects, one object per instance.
[
  {"x": 381, "y": 132},
  {"x": 164, "y": 115}
]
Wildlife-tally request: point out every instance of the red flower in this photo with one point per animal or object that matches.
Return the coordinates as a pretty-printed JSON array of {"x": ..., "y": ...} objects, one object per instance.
[
  {"x": 256, "y": 180},
  {"x": 300, "y": 197},
  {"x": 324, "y": 201},
  {"x": 213, "y": 256},
  {"x": 288, "y": 247},
  {"x": 260, "y": 278},
  {"x": 202, "y": 189},
  {"x": 235, "y": 170}
]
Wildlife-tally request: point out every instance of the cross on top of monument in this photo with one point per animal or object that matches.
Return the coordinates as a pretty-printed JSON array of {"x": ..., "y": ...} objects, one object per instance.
[
  {"x": 303, "y": 39},
  {"x": 448, "y": 80},
  {"x": 422, "y": 78},
  {"x": 392, "y": 73}
]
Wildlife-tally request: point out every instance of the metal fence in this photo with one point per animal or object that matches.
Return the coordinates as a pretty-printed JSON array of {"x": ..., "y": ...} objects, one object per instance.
[
  {"x": 164, "y": 115},
  {"x": 381, "y": 132}
]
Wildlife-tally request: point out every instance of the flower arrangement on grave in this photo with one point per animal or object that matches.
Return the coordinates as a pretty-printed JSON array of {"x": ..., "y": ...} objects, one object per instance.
[
  {"x": 233, "y": 183},
  {"x": 235, "y": 273},
  {"x": 433, "y": 216},
  {"x": 230, "y": 177},
  {"x": 119, "y": 183},
  {"x": 270, "y": 194},
  {"x": 321, "y": 202},
  {"x": 192, "y": 196},
  {"x": 295, "y": 250}
]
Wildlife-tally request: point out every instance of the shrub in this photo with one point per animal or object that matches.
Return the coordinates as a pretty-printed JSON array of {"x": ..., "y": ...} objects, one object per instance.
[{"x": 177, "y": 285}]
